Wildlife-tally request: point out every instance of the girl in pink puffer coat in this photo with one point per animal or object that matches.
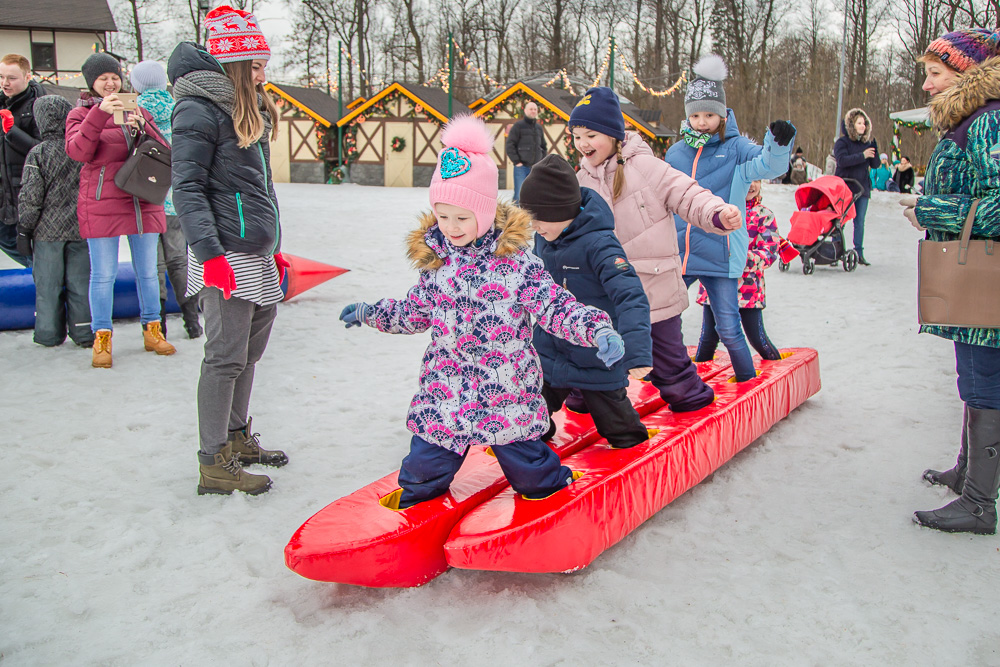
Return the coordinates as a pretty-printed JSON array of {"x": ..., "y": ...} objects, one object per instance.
[{"x": 644, "y": 192}]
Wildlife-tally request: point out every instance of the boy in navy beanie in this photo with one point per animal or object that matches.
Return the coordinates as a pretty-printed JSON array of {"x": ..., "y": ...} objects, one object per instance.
[{"x": 577, "y": 243}]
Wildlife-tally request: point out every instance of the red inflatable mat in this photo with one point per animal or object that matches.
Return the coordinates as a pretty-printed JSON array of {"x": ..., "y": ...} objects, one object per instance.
[
  {"x": 356, "y": 540},
  {"x": 621, "y": 488}
]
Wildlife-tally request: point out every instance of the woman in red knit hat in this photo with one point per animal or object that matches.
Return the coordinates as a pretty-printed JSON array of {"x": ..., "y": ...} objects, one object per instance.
[{"x": 225, "y": 199}]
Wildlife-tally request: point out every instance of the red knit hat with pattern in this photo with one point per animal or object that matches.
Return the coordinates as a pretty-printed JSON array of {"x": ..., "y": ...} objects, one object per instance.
[{"x": 233, "y": 35}]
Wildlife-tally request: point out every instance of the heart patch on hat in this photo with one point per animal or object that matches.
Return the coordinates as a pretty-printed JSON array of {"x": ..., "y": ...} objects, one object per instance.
[{"x": 453, "y": 163}]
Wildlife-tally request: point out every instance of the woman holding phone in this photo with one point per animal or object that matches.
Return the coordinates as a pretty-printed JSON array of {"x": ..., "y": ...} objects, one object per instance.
[{"x": 105, "y": 212}]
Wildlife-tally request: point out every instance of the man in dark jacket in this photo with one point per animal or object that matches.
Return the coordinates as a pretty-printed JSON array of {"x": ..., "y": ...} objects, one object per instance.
[
  {"x": 576, "y": 241},
  {"x": 18, "y": 135},
  {"x": 525, "y": 145}
]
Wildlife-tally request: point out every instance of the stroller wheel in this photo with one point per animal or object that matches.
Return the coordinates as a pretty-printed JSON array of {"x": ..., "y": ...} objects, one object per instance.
[
  {"x": 808, "y": 266},
  {"x": 782, "y": 265},
  {"x": 850, "y": 260}
]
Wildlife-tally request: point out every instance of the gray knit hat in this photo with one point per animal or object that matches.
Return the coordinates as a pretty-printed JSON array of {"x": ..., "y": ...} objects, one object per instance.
[
  {"x": 148, "y": 75},
  {"x": 705, "y": 91},
  {"x": 98, "y": 64}
]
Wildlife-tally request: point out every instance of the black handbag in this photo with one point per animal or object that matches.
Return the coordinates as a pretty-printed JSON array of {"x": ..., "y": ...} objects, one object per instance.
[{"x": 146, "y": 172}]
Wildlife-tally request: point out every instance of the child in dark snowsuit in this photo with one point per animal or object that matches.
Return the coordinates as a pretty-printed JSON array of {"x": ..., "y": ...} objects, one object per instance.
[
  {"x": 576, "y": 241},
  {"x": 479, "y": 291},
  {"x": 47, "y": 221}
]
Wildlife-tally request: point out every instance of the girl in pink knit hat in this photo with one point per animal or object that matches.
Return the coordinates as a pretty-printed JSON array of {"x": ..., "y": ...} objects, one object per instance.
[{"x": 480, "y": 291}]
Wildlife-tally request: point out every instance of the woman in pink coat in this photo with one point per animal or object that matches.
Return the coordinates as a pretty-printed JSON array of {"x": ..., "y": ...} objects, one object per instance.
[
  {"x": 644, "y": 192},
  {"x": 106, "y": 213}
]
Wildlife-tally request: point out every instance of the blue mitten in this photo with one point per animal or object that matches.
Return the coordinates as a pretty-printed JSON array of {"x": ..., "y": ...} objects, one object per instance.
[
  {"x": 352, "y": 315},
  {"x": 610, "y": 346}
]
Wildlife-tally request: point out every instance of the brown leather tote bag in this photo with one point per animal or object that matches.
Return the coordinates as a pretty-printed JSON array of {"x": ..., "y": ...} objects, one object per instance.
[{"x": 958, "y": 282}]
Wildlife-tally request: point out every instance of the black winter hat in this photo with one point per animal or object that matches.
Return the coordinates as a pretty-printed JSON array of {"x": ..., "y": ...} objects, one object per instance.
[
  {"x": 98, "y": 64},
  {"x": 551, "y": 192}
]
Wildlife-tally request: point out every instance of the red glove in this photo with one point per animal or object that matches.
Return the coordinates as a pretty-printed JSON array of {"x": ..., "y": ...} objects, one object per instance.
[
  {"x": 282, "y": 264},
  {"x": 6, "y": 119},
  {"x": 216, "y": 272}
]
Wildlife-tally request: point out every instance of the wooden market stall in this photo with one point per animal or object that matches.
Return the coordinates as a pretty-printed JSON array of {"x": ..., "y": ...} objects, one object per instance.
[
  {"x": 393, "y": 137},
  {"x": 306, "y": 146}
]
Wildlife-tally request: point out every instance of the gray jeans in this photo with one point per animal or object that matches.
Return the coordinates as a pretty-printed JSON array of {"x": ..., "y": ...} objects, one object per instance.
[
  {"x": 237, "y": 331},
  {"x": 171, "y": 260},
  {"x": 61, "y": 272}
]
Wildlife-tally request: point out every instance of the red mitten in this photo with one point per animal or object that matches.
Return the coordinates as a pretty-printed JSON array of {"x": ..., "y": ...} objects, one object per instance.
[
  {"x": 6, "y": 119},
  {"x": 216, "y": 272},
  {"x": 282, "y": 264}
]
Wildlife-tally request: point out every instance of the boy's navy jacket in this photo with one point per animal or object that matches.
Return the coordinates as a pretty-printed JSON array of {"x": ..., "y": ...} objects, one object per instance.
[
  {"x": 588, "y": 260},
  {"x": 727, "y": 169}
]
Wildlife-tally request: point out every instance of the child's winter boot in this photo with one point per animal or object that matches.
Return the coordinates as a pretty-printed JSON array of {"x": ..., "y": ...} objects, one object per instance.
[
  {"x": 222, "y": 473},
  {"x": 102, "y": 349},
  {"x": 954, "y": 479},
  {"x": 154, "y": 341},
  {"x": 246, "y": 446},
  {"x": 976, "y": 510}
]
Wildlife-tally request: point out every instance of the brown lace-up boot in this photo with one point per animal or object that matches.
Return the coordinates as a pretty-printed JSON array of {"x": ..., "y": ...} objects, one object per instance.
[
  {"x": 223, "y": 474},
  {"x": 152, "y": 337},
  {"x": 102, "y": 349},
  {"x": 246, "y": 447}
]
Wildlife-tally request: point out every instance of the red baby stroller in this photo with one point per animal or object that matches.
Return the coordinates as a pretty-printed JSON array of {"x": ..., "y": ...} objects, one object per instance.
[{"x": 824, "y": 204}]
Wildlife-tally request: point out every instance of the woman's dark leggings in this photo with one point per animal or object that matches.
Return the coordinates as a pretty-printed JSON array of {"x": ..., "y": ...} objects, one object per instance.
[{"x": 753, "y": 327}]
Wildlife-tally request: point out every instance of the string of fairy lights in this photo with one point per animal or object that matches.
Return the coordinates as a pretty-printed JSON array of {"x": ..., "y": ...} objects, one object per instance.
[{"x": 441, "y": 77}]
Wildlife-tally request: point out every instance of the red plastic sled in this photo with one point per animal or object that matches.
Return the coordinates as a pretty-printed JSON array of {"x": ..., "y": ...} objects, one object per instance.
[
  {"x": 357, "y": 540},
  {"x": 619, "y": 488}
]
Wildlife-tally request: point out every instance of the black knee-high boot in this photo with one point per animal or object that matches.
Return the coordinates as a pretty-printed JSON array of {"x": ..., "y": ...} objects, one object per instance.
[
  {"x": 954, "y": 479},
  {"x": 975, "y": 511}
]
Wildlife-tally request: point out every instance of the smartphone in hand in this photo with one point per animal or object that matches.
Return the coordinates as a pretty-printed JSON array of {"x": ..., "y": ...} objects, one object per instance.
[{"x": 128, "y": 104}]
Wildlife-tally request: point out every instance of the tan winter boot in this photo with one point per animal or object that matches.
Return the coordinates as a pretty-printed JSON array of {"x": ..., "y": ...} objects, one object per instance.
[
  {"x": 223, "y": 474},
  {"x": 152, "y": 337},
  {"x": 102, "y": 349},
  {"x": 246, "y": 447}
]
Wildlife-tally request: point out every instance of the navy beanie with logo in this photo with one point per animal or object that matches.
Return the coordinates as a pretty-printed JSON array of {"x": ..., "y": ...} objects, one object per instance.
[{"x": 599, "y": 111}]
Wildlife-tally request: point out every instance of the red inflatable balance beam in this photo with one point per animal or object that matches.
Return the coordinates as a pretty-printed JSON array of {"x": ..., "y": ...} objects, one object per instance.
[
  {"x": 621, "y": 488},
  {"x": 358, "y": 540}
]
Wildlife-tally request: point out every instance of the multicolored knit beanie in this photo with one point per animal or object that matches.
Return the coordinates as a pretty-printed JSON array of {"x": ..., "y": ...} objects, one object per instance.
[
  {"x": 963, "y": 49},
  {"x": 705, "y": 92},
  {"x": 466, "y": 175},
  {"x": 233, "y": 35}
]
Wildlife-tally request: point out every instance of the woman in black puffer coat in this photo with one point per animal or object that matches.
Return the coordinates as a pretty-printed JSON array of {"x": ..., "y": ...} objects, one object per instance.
[
  {"x": 225, "y": 198},
  {"x": 856, "y": 151}
]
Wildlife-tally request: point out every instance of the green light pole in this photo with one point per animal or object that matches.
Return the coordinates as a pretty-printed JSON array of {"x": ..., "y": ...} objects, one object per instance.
[
  {"x": 451, "y": 67},
  {"x": 340, "y": 107}
]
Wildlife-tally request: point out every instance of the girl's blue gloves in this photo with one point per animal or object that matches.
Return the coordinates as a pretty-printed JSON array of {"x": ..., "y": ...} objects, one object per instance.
[
  {"x": 351, "y": 315},
  {"x": 610, "y": 346}
]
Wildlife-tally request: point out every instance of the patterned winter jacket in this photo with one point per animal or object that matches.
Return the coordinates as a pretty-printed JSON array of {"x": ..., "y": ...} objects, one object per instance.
[
  {"x": 481, "y": 379},
  {"x": 161, "y": 104},
  {"x": 763, "y": 251},
  {"x": 965, "y": 166},
  {"x": 51, "y": 180}
]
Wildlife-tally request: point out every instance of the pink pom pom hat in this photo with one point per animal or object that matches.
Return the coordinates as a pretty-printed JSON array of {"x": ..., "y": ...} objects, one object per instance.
[{"x": 466, "y": 175}]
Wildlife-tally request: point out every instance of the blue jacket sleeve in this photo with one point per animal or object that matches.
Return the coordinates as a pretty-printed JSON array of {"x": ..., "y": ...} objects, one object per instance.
[
  {"x": 623, "y": 286},
  {"x": 759, "y": 163}
]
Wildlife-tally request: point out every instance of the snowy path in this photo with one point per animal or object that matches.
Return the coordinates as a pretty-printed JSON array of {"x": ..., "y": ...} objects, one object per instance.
[{"x": 800, "y": 551}]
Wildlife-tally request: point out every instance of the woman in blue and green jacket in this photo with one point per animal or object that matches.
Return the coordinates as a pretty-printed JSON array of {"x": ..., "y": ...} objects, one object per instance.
[{"x": 963, "y": 77}]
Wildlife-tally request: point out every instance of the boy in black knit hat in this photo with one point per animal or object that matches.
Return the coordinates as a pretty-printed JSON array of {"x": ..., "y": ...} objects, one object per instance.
[{"x": 576, "y": 241}]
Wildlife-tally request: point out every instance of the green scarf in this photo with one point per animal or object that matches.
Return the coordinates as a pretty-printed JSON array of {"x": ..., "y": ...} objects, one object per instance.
[{"x": 693, "y": 137}]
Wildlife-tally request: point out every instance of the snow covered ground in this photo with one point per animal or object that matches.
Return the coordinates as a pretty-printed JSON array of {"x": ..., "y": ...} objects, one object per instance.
[{"x": 800, "y": 551}]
